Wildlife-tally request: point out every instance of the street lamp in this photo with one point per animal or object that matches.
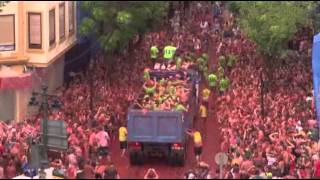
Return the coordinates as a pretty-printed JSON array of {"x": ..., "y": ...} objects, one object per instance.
[
  {"x": 44, "y": 109},
  {"x": 262, "y": 87}
]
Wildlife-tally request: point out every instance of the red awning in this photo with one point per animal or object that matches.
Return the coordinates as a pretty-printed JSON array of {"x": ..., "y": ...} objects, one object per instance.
[{"x": 23, "y": 81}]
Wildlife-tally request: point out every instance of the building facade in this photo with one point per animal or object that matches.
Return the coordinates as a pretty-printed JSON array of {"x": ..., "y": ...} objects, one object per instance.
[{"x": 34, "y": 35}]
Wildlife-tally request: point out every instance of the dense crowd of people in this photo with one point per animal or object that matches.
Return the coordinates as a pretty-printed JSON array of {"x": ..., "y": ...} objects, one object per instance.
[
  {"x": 90, "y": 131},
  {"x": 282, "y": 143}
]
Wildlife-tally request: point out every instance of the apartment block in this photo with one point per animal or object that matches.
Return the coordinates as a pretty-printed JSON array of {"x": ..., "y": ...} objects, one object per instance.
[{"x": 34, "y": 38}]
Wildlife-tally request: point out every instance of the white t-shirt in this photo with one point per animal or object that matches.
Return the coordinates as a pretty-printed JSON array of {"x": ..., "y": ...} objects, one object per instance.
[
  {"x": 271, "y": 160},
  {"x": 72, "y": 159},
  {"x": 315, "y": 157},
  {"x": 204, "y": 24},
  {"x": 103, "y": 139}
]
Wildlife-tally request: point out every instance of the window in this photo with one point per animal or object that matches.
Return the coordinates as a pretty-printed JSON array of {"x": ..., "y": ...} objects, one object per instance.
[
  {"x": 62, "y": 22},
  {"x": 52, "y": 27},
  {"x": 71, "y": 16},
  {"x": 7, "y": 39},
  {"x": 35, "y": 30}
]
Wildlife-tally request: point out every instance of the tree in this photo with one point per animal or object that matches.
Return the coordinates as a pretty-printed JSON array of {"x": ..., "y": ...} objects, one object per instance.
[
  {"x": 3, "y": 3},
  {"x": 271, "y": 24},
  {"x": 115, "y": 23},
  {"x": 315, "y": 17}
]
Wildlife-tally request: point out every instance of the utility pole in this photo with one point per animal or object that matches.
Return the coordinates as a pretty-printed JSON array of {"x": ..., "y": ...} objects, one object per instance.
[
  {"x": 91, "y": 84},
  {"x": 44, "y": 108},
  {"x": 45, "y": 126},
  {"x": 262, "y": 95}
]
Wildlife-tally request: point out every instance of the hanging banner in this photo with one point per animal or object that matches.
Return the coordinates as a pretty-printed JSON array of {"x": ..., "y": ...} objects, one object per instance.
[{"x": 316, "y": 72}]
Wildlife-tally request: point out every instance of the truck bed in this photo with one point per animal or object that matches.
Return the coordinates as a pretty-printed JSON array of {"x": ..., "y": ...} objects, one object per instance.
[{"x": 161, "y": 126}]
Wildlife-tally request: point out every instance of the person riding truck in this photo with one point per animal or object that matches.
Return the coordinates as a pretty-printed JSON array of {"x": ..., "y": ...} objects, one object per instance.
[
  {"x": 150, "y": 87},
  {"x": 168, "y": 54},
  {"x": 154, "y": 51},
  {"x": 179, "y": 63},
  {"x": 146, "y": 74}
]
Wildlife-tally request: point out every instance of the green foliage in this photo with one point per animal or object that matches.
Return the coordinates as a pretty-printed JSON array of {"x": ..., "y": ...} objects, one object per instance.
[
  {"x": 115, "y": 23},
  {"x": 87, "y": 26},
  {"x": 233, "y": 7},
  {"x": 315, "y": 18},
  {"x": 3, "y": 3},
  {"x": 271, "y": 24},
  {"x": 316, "y": 21}
]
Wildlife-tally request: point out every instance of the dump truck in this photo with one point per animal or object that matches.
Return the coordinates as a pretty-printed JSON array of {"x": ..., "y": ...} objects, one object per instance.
[{"x": 162, "y": 133}]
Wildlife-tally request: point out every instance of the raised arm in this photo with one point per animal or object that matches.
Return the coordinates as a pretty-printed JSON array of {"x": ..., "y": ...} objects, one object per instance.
[{"x": 189, "y": 132}]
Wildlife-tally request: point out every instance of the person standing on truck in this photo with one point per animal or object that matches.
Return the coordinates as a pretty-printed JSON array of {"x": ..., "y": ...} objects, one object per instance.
[
  {"x": 150, "y": 87},
  {"x": 197, "y": 139},
  {"x": 154, "y": 51},
  {"x": 181, "y": 108},
  {"x": 146, "y": 74},
  {"x": 123, "y": 139},
  {"x": 179, "y": 63},
  {"x": 168, "y": 54}
]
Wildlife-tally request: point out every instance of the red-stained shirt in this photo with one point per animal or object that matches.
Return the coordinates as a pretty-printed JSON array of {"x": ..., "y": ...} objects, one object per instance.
[
  {"x": 102, "y": 120},
  {"x": 260, "y": 135},
  {"x": 317, "y": 169},
  {"x": 72, "y": 158},
  {"x": 246, "y": 165},
  {"x": 69, "y": 130},
  {"x": 14, "y": 150},
  {"x": 11, "y": 172},
  {"x": 100, "y": 169},
  {"x": 92, "y": 139},
  {"x": 73, "y": 139},
  {"x": 72, "y": 172},
  {"x": 1, "y": 149},
  {"x": 88, "y": 172}
]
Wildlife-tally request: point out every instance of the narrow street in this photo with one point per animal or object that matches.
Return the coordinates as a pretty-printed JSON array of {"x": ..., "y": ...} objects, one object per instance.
[
  {"x": 176, "y": 82},
  {"x": 210, "y": 148}
]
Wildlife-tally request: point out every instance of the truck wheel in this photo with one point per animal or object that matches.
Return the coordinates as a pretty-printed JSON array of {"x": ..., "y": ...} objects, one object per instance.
[
  {"x": 172, "y": 159},
  {"x": 136, "y": 158},
  {"x": 181, "y": 159},
  {"x": 132, "y": 159},
  {"x": 177, "y": 158}
]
